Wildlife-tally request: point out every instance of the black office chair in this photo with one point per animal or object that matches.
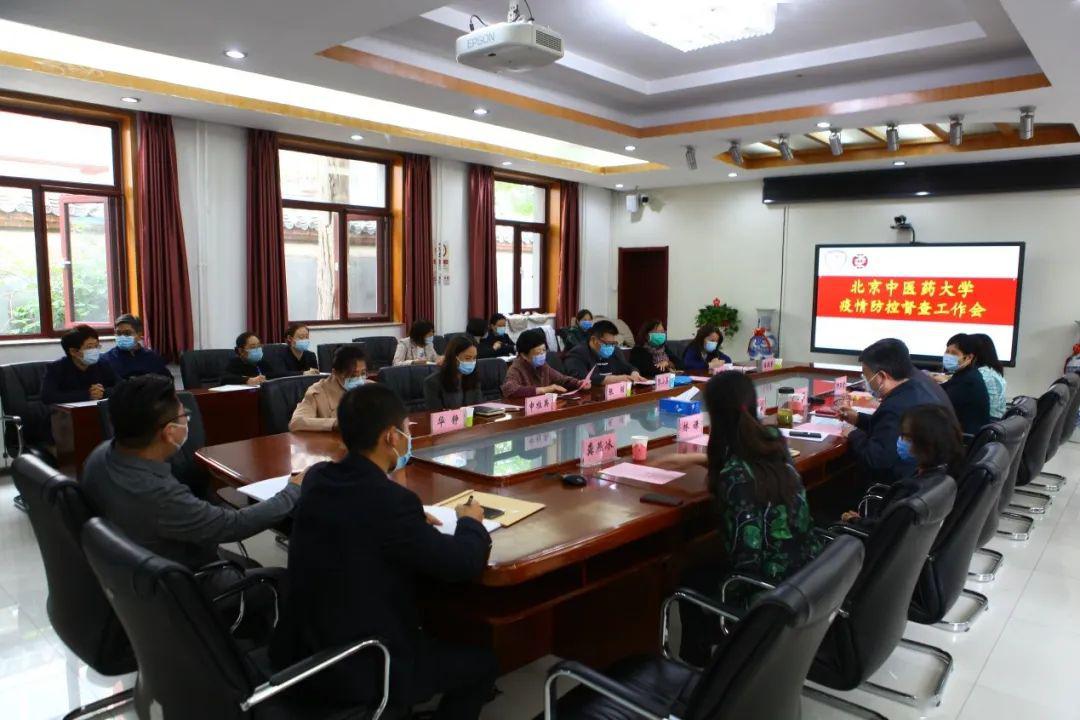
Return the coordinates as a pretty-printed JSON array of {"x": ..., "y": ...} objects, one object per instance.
[
  {"x": 325, "y": 353},
  {"x": 279, "y": 398},
  {"x": 26, "y": 421},
  {"x": 492, "y": 374},
  {"x": 757, "y": 671},
  {"x": 189, "y": 665},
  {"x": 408, "y": 382},
  {"x": 555, "y": 360},
  {"x": 440, "y": 343},
  {"x": 379, "y": 350},
  {"x": 678, "y": 348},
  {"x": 945, "y": 571},
  {"x": 77, "y": 608},
  {"x": 203, "y": 368},
  {"x": 274, "y": 357},
  {"x": 1069, "y": 425},
  {"x": 875, "y": 613},
  {"x": 1065, "y": 427},
  {"x": 1043, "y": 429}
]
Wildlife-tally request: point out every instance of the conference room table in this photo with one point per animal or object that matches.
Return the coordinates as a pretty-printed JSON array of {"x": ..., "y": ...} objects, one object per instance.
[{"x": 585, "y": 576}]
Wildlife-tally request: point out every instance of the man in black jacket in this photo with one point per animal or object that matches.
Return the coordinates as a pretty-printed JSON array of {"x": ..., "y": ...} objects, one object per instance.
[
  {"x": 79, "y": 376},
  {"x": 891, "y": 376},
  {"x": 359, "y": 546},
  {"x": 602, "y": 353}
]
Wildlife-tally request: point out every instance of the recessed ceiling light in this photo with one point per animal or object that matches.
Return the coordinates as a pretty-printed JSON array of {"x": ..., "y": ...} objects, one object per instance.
[
  {"x": 689, "y": 26},
  {"x": 733, "y": 174},
  {"x": 899, "y": 163},
  {"x": 481, "y": 112},
  {"x": 922, "y": 193},
  {"x": 129, "y": 99},
  {"x": 356, "y": 136},
  {"x": 507, "y": 163},
  {"x": 235, "y": 54},
  {"x": 618, "y": 186},
  {"x": 630, "y": 148},
  {"x": 824, "y": 124}
]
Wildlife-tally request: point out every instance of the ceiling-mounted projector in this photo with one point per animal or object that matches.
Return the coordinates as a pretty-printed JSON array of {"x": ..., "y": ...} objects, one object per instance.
[{"x": 516, "y": 45}]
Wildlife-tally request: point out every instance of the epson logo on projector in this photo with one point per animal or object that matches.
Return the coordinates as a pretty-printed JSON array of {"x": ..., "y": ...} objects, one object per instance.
[{"x": 480, "y": 40}]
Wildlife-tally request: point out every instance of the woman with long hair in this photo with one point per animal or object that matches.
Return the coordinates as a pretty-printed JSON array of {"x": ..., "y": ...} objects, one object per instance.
[
  {"x": 993, "y": 373},
  {"x": 419, "y": 347},
  {"x": 652, "y": 356},
  {"x": 703, "y": 353},
  {"x": 456, "y": 383}
]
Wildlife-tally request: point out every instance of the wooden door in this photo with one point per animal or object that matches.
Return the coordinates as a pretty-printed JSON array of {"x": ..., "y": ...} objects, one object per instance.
[{"x": 643, "y": 285}]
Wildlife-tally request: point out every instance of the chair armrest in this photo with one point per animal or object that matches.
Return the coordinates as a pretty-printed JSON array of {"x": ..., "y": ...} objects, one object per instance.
[
  {"x": 17, "y": 421},
  {"x": 866, "y": 499},
  {"x": 303, "y": 669},
  {"x": 745, "y": 580},
  {"x": 847, "y": 529},
  {"x": 694, "y": 598},
  {"x": 248, "y": 582},
  {"x": 218, "y": 566},
  {"x": 877, "y": 488},
  {"x": 626, "y": 697}
]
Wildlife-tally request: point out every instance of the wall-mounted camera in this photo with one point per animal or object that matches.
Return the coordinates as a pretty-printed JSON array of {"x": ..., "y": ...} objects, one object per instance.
[
  {"x": 901, "y": 224},
  {"x": 634, "y": 202}
]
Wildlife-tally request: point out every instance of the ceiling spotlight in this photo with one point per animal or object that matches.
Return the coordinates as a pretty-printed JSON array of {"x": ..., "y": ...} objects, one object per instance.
[
  {"x": 899, "y": 163},
  {"x": 836, "y": 145},
  {"x": 355, "y": 136},
  {"x": 785, "y": 148},
  {"x": 824, "y": 124},
  {"x": 922, "y": 193},
  {"x": 892, "y": 138},
  {"x": 1027, "y": 122},
  {"x": 506, "y": 163},
  {"x": 480, "y": 111},
  {"x": 733, "y": 174},
  {"x": 129, "y": 99},
  {"x": 630, "y": 148},
  {"x": 956, "y": 130},
  {"x": 691, "y": 157},
  {"x": 235, "y": 54},
  {"x": 618, "y": 186},
  {"x": 735, "y": 152}
]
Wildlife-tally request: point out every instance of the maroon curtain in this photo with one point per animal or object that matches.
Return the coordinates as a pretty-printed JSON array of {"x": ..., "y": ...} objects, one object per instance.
[
  {"x": 569, "y": 254},
  {"x": 267, "y": 299},
  {"x": 419, "y": 272},
  {"x": 483, "y": 291},
  {"x": 166, "y": 294}
]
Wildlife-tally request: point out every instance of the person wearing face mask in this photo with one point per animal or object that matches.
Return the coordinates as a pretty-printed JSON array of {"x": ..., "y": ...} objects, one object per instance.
[
  {"x": 601, "y": 356},
  {"x": 249, "y": 366},
  {"x": 318, "y": 410},
  {"x": 79, "y": 375},
  {"x": 965, "y": 386},
  {"x": 456, "y": 384},
  {"x": 497, "y": 342},
  {"x": 530, "y": 374},
  {"x": 360, "y": 549},
  {"x": 890, "y": 376},
  {"x": 578, "y": 332},
  {"x": 129, "y": 482},
  {"x": 298, "y": 358},
  {"x": 703, "y": 352},
  {"x": 651, "y": 356},
  {"x": 130, "y": 357},
  {"x": 419, "y": 347}
]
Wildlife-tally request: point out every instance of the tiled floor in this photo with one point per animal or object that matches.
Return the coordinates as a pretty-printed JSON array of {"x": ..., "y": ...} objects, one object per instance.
[{"x": 1019, "y": 661}]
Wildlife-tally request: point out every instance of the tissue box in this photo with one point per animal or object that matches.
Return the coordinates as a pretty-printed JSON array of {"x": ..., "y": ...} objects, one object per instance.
[{"x": 680, "y": 407}]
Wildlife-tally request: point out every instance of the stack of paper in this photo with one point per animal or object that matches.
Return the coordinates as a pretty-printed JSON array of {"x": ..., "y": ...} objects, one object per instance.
[
  {"x": 448, "y": 517},
  {"x": 231, "y": 388},
  {"x": 642, "y": 473},
  {"x": 265, "y": 489}
]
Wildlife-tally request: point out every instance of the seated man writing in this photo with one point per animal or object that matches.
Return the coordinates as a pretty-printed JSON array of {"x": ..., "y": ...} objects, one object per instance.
[{"x": 600, "y": 356}]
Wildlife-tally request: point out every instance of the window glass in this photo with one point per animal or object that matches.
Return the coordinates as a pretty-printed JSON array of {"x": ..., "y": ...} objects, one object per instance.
[
  {"x": 324, "y": 178},
  {"x": 311, "y": 263},
  {"x": 364, "y": 276},
  {"x": 531, "y": 251},
  {"x": 504, "y": 267},
  {"x": 18, "y": 271},
  {"x": 44, "y": 148},
  {"x": 80, "y": 262},
  {"x": 523, "y": 203}
]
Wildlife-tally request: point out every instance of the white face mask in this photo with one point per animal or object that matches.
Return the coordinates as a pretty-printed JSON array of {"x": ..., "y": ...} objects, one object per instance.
[{"x": 187, "y": 432}]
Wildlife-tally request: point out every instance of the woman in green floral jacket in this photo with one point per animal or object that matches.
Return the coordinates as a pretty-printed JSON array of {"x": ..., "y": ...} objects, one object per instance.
[{"x": 763, "y": 514}]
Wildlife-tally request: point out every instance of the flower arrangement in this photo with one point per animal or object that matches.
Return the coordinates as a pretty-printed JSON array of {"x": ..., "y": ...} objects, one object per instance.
[{"x": 720, "y": 314}]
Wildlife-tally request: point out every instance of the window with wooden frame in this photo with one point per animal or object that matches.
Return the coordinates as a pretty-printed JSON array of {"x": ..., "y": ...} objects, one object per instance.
[
  {"x": 521, "y": 234},
  {"x": 62, "y": 219},
  {"x": 336, "y": 211}
]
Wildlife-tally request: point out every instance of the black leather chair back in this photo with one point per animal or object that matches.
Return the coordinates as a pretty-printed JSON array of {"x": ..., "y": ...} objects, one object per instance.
[
  {"x": 203, "y": 368},
  {"x": 325, "y": 353},
  {"x": 440, "y": 344},
  {"x": 946, "y": 568},
  {"x": 77, "y": 608},
  {"x": 1068, "y": 422},
  {"x": 759, "y": 671},
  {"x": 1047, "y": 418},
  {"x": 678, "y": 348},
  {"x": 408, "y": 382},
  {"x": 20, "y": 395},
  {"x": 492, "y": 373},
  {"x": 877, "y": 606},
  {"x": 379, "y": 350},
  {"x": 1011, "y": 432},
  {"x": 279, "y": 398},
  {"x": 1071, "y": 381},
  {"x": 555, "y": 360}
]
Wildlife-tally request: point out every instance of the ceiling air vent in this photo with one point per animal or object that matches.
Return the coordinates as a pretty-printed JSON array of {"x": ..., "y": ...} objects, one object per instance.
[{"x": 549, "y": 41}]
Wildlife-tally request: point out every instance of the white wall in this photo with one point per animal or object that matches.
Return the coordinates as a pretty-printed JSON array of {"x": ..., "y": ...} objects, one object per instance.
[
  {"x": 595, "y": 207},
  {"x": 725, "y": 242}
]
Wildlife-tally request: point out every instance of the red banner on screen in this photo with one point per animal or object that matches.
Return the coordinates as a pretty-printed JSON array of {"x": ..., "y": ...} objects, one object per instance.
[{"x": 982, "y": 301}]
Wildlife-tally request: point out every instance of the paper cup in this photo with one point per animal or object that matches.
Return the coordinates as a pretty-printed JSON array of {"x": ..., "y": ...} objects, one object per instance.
[
  {"x": 639, "y": 447},
  {"x": 469, "y": 416}
]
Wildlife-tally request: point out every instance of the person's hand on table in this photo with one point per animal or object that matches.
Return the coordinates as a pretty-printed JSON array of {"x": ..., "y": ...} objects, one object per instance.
[
  {"x": 850, "y": 516},
  {"x": 716, "y": 363},
  {"x": 636, "y": 377},
  {"x": 257, "y": 380},
  {"x": 663, "y": 365},
  {"x": 312, "y": 371},
  {"x": 439, "y": 360},
  {"x": 432, "y": 520},
  {"x": 97, "y": 391},
  {"x": 848, "y": 415},
  {"x": 298, "y": 477},
  {"x": 683, "y": 461},
  {"x": 470, "y": 509},
  {"x": 939, "y": 377},
  {"x": 550, "y": 389},
  {"x": 847, "y": 430}
]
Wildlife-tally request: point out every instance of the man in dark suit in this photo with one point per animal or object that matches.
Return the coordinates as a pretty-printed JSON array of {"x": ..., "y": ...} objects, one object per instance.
[
  {"x": 359, "y": 546},
  {"x": 890, "y": 376},
  {"x": 600, "y": 355}
]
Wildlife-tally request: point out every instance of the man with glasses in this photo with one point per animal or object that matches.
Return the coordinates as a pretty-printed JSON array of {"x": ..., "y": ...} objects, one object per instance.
[
  {"x": 131, "y": 357},
  {"x": 602, "y": 353}
]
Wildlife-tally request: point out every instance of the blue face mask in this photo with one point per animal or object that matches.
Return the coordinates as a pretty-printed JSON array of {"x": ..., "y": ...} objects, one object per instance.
[
  {"x": 91, "y": 357},
  {"x": 302, "y": 345},
  {"x": 255, "y": 356},
  {"x": 586, "y": 325},
  {"x": 903, "y": 450},
  {"x": 501, "y": 330},
  {"x": 403, "y": 460},
  {"x": 711, "y": 345},
  {"x": 539, "y": 360},
  {"x": 126, "y": 342},
  {"x": 467, "y": 366},
  {"x": 351, "y": 383},
  {"x": 950, "y": 363},
  {"x": 606, "y": 351}
]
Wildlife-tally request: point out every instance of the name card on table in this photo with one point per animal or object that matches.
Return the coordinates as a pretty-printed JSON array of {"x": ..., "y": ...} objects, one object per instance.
[
  {"x": 447, "y": 421},
  {"x": 690, "y": 426},
  {"x": 761, "y": 406},
  {"x": 599, "y": 449},
  {"x": 614, "y": 391},
  {"x": 614, "y": 423},
  {"x": 768, "y": 364},
  {"x": 663, "y": 381},
  {"x": 840, "y": 386},
  {"x": 538, "y": 404}
]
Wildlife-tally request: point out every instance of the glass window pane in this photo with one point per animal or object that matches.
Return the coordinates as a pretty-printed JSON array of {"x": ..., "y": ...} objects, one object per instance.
[
  {"x": 504, "y": 267},
  {"x": 525, "y": 203},
  {"x": 311, "y": 264},
  {"x": 20, "y": 314},
  {"x": 364, "y": 275},
  {"x": 49, "y": 149},
  {"x": 322, "y": 178},
  {"x": 532, "y": 250},
  {"x": 80, "y": 262}
]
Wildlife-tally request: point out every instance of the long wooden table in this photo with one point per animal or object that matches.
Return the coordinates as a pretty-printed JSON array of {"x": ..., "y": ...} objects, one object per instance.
[{"x": 583, "y": 578}]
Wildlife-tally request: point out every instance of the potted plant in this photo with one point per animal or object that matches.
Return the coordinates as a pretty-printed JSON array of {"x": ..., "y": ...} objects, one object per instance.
[{"x": 720, "y": 314}]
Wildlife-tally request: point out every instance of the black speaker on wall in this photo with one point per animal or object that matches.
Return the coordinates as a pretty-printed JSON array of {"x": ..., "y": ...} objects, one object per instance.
[{"x": 1054, "y": 173}]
